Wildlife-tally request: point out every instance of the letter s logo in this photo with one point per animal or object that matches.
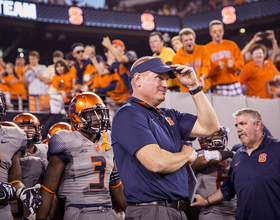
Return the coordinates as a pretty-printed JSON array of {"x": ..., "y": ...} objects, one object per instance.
[
  {"x": 75, "y": 15},
  {"x": 228, "y": 14},
  {"x": 262, "y": 157},
  {"x": 147, "y": 20}
]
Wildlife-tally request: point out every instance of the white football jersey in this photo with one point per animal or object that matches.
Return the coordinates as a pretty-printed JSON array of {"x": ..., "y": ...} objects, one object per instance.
[{"x": 86, "y": 176}]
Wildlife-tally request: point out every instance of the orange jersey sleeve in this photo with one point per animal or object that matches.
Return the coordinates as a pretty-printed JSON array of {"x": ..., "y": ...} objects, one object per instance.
[
  {"x": 89, "y": 71},
  {"x": 223, "y": 52},
  {"x": 255, "y": 78},
  {"x": 73, "y": 72}
]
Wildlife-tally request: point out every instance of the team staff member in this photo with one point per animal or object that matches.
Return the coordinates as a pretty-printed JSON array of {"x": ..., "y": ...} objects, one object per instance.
[
  {"x": 255, "y": 74},
  {"x": 195, "y": 56},
  {"x": 254, "y": 172},
  {"x": 226, "y": 59},
  {"x": 148, "y": 145}
]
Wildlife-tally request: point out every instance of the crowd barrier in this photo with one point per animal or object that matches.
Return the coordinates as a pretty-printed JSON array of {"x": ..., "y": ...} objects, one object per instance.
[{"x": 225, "y": 107}]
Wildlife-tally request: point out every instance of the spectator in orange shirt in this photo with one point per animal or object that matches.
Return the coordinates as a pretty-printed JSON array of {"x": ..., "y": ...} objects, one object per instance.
[
  {"x": 83, "y": 68},
  {"x": 19, "y": 65},
  {"x": 176, "y": 43},
  {"x": 269, "y": 34},
  {"x": 255, "y": 74},
  {"x": 123, "y": 60},
  {"x": 226, "y": 60},
  {"x": 195, "y": 56},
  {"x": 112, "y": 85},
  {"x": 15, "y": 84},
  {"x": 64, "y": 82},
  {"x": 3, "y": 86}
]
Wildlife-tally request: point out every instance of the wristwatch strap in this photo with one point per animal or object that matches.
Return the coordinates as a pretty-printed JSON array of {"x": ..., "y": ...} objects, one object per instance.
[{"x": 194, "y": 91}]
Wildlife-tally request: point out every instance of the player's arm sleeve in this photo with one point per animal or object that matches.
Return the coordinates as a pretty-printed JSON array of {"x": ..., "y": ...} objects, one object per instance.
[
  {"x": 110, "y": 87},
  {"x": 57, "y": 148},
  {"x": 134, "y": 126}
]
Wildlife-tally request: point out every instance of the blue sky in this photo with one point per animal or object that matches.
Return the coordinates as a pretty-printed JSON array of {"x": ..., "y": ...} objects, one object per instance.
[{"x": 94, "y": 3}]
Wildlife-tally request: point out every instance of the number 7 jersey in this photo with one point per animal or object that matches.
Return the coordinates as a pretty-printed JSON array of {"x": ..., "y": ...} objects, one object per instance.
[{"x": 85, "y": 180}]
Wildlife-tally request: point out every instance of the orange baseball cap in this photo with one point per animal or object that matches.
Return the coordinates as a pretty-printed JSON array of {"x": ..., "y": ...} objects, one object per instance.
[{"x": 118, "y": 42}]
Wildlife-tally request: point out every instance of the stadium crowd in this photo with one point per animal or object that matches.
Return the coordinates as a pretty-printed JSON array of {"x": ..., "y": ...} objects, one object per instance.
[{"x": 221, "y": 67}]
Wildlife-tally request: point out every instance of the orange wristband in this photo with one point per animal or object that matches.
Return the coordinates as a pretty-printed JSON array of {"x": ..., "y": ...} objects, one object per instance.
[
  {"x": 252, "y": 41},
  {"x": 48, "y": 190},
  {"x": 15, "y": 181},
  {"x": 116, "y": 185}
]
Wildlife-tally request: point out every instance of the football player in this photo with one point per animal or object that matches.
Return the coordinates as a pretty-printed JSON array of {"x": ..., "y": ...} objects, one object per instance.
[
  {"x": 13, "y": 143},
  {"x": 55, "y": 128},
  {"x": 34, "y": 160},
  {"x": 81, "y": 164},
  {"x": 212, "y": 168}
]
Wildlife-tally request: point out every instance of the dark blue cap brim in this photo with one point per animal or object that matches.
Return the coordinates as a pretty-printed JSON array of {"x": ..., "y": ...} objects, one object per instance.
[{"x": 155, "y": 65}]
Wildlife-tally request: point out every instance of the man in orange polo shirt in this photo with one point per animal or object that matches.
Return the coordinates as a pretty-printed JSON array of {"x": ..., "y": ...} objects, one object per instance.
[
  {"x": 226, "y": 60},
  {"x": 195, "y": 56}
]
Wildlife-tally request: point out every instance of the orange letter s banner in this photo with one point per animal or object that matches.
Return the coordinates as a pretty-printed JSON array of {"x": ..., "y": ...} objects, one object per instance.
[
  {"x": 75, "y": 15},
  {"x": 147, "y": 20},
  {"x": 228, "y": 14}
]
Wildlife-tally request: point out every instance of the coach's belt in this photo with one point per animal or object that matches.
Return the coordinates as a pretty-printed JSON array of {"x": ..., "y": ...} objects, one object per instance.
[{"x": 179, "y": 205}]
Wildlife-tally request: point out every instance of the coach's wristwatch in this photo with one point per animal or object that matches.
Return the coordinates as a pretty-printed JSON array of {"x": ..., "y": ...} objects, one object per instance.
[{"x": 194, "y": 91}]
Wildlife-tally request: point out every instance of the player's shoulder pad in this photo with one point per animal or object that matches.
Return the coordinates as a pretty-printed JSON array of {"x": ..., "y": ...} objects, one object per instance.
[
  {"x": 16, "y": 135},
  {"x": 57, "y": 142},
  {"x": 42, "y": 149}
]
